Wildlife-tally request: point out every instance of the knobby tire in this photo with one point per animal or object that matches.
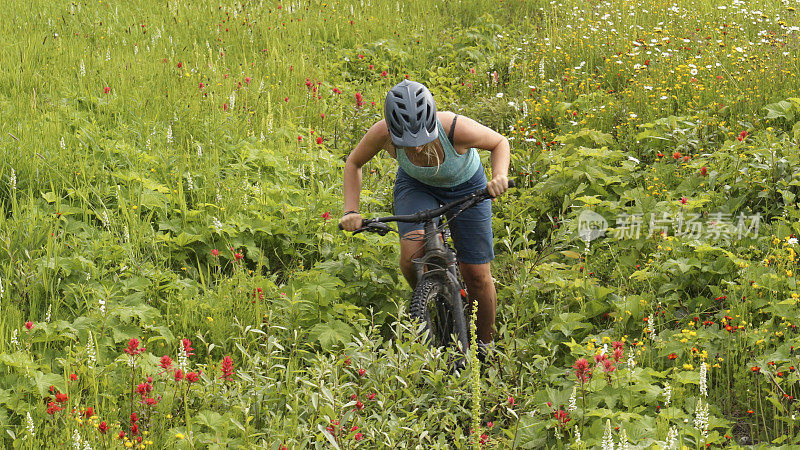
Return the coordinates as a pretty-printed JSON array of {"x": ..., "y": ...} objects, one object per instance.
[{"x": 434, "y": 304}]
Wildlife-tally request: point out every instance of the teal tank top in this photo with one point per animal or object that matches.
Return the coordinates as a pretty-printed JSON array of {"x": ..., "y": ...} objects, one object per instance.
[{"x": 455, "y": 169}]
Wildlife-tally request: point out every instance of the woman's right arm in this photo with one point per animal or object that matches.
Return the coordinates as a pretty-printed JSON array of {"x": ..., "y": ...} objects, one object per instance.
[{"x": 367, "y": 148}]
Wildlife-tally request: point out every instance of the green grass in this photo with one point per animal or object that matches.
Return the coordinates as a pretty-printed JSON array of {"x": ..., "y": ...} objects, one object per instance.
[{"x": 137, "y": 138}]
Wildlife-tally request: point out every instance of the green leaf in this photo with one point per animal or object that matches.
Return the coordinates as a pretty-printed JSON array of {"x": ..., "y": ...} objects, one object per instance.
[
  {"x": 43, "y": 381},
  {"x": 331, "y": 333}
]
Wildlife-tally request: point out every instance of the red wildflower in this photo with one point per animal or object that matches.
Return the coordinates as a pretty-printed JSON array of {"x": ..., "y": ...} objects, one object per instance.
[
  {"x": 202, "y": 85},
  {"x": 187, "y": 347},
  {"x": 121, "y": 435},
  {"x": 165, "y": 363},
  {"x": 371, "y": 396},
  {"x": 703, "y": 171},
  {"x": 134, "y": 417},
  {"x": 676, "y": 155},
  {"x": 227, "y": 368},
  {"x": 180, "y": 65},
  {"x": 608, "y": 366},
  {"x": 672, "y": 356},
  {"x": 484, "y": 438},
  {"x": 150, "y": 401},
  {"x": 103, "y": 427},
  {"x": 192, "y": 377},
  {"x": 742, "y": 135},
  {"x": 61, "y": 397},
  {"x": 29, "y": 325},
  {"x": 511, "y": 400},
  {"x": 359, "y": 405},
  {"x": 53, "y": 408},
  {"x": 214, "y": 252},
  {"x": 238, "y": 256},
  {"x": 89, "y": 412},
  {"x": 562, "y": 417},
  {"x": 582, "y": 371},
  {"x": 361, "y": 372},
  {"x": 144, "y": 389},
  {"x": 336, "y": 91},
  {"x": 617, "y": 345},
  {"x": 224, "y": 106},
  {"x": 359, "y": 100},
  {"x": 134, "y": 429},
  {"x": 319, "y": 140},
  {"x": 247, "y": 80},
  {"x": 178, "y": 374},
  {"x": 384, "y": 74},
  {"x": 106, "y": 90},
  {"x": 684, "y": 200},
  {"x": 617, "y": 354}
]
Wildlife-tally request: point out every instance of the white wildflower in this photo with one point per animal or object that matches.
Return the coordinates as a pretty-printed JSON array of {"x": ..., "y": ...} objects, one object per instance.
[
  {"x": 189, "y": 181},
  {"x": 701, "y": 417},
  {"x": 77, "y": 442},
  {"x": 102, "y": 303},
  {"x": 199, "y": 150},
  {"x": 108, "y": 55},
  {"x": 135, "y": 49},
  {"x": 126, "y": 235},
  {"x": 608, "y": 438},
  {"x": 667, "y": 395},
  {"x": 541, "y": 69},
  {"x": 792, "y": 241},
  {"x": 13, "y": 180},
  {"x": 524, "y": 109},
  {"x": 169, "y": 134},
  {"x": 604, "y": 350},
  {"x": 578, "y": 441},
  {"x": 703, "y": 382},
  {"x": 572, "y": 399},
  {"x": 14, "y": 340},
  {"x": 83, "y": 69},
  {"x": 631, "y": 361},
  {"x": 499, "y": 95},
  {"x": 91, "y": 354},
  {"x": 651, "y": 326},
  {"x": 104, "y": 218},
  {"x": 62, "y": 143},
  {"x": 31, "y": 428},
  {"x": 2, "y": 290},
  {"x": 623, "y": 440},
  {"x": 47, "y": 316},
  {"x": 232, "y": 99},
  {"x": 147, "y": 145},
  {"x": 219, "y": 195},
  {"x": 672, "y": 438},
  {"x": 217, "y": 224}
]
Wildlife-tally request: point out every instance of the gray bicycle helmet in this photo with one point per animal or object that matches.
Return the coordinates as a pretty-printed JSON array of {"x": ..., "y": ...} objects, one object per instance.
[{"x": 410, "y": 114}]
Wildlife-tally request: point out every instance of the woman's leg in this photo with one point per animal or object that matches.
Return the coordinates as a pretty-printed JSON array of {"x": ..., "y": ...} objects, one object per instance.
[
  {"x": 411, "y": 246},
  {"x": 480, "y": 286}
]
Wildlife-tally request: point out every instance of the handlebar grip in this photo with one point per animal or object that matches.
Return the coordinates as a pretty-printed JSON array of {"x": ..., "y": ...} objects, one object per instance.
[{"x": 341, "y": 227}]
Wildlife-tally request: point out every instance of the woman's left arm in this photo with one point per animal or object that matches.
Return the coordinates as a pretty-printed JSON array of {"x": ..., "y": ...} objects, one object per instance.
[{"x": 470, "y": 133}]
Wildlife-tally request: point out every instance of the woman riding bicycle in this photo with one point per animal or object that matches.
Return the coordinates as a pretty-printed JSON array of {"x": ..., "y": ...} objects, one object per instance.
[{"x": 438, "y": 164}]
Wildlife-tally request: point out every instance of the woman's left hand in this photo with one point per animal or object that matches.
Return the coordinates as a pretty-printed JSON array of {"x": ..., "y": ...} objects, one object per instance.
[{"x": 498, "y": 185}]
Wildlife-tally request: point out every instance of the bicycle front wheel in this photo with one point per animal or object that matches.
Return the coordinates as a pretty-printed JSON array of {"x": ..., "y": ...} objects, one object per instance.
[{"x": 437, "y": 304}]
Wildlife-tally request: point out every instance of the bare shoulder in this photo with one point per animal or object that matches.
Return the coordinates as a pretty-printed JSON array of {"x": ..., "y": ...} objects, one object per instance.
[{"x": 471, "y": 133}]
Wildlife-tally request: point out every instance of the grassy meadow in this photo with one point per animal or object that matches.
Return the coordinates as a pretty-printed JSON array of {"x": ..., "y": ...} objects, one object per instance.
[{"x": 171, "y": 273}]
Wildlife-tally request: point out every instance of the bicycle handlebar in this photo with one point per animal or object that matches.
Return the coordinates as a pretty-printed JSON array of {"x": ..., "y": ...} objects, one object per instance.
[{"x": 378, "y": 225}]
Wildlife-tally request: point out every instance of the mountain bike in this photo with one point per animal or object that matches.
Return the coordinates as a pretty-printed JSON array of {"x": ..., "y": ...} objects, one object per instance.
[{"x": 439, "y": 301}]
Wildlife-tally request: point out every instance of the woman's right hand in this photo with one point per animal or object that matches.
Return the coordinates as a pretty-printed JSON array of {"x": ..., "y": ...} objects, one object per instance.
[{"x": 351, "y": 222}]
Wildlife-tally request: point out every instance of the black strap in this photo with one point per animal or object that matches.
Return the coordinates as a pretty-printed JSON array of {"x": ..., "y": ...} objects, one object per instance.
[{"x": 452, "y": 130}]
